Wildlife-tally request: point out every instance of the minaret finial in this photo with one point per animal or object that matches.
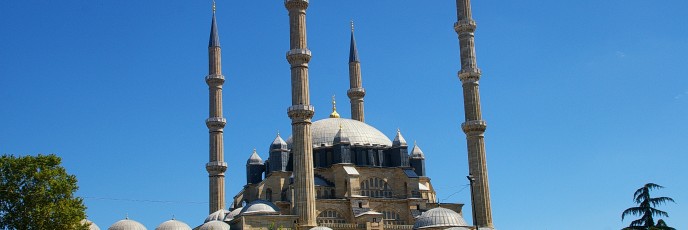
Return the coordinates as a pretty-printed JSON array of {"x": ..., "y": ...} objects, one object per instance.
[
  {"x": 213, "y": 6},
  {"x": 334, "y": 113},
  {"x": 352, "y": 26}
]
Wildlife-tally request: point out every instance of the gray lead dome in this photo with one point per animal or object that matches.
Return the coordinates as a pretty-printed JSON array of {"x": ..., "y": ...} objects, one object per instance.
[
  {"x": 359, "y": 133},
  {"x": 439, "y": 217}
]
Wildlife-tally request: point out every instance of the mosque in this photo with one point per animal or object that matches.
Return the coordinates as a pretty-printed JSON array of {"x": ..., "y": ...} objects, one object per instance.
[{"x": 338, "y": 173}]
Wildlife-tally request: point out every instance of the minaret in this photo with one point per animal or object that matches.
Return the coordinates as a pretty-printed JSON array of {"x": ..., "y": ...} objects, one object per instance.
[
  {"x": 474, "y": 125},
  {"x": 301, "y": 113},
  {"x": 356, "y": 91},
  {"x": 216, "y": 167}
]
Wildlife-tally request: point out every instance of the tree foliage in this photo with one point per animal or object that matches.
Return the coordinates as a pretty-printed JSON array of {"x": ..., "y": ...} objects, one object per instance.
[
  {"x": 646, "y": 209},
  {"x": 37, "y": 193}
]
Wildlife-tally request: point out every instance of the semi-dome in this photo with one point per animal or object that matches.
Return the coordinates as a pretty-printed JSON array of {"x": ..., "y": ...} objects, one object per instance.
[
  {"x": 217, "y": 215},
  {"x": 324, "y": 131},
  {"x": 439, "y": 217},
  {"x": 127, "y": 224},
  {"x": 258, "y": 207},
  {"x": 214, "y": 225},
  {"x": 173, "y": 225},
  {"x": 90, "y": 224}
]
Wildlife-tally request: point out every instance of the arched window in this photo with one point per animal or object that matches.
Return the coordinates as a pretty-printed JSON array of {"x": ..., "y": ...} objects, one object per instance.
[
  {"x": 330, "y": 217},
  {"x": 375, "y": 187},
  {"x": 392, "y": 217},
  {"x": 268, "y": 194}
]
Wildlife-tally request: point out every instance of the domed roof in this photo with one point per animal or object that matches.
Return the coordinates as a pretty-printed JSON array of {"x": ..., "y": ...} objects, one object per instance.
[
  {"x": 439, "y": 217},
  {"x": 399, "y": 139},
  {"x": 320, "y": 228},
  {"x": 324, "y": 131},
  {"x": 173, "y": 225},
  {"x": 214, "y": 225},
  {"x": 232, "y": 214},
  {"x": 217, "y": 215},
  {"x": 259, "y": 207},
  {"x": 416, "y": 152},
  {"x": 127, "y": 224},
  {"x": 91, "y": 225},
  {"x": 254, "y": 159},
  {"x": 278, "y": 143}
]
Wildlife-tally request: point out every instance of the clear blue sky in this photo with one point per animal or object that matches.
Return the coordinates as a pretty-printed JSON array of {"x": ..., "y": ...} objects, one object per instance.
[{"x": 586, "y": 100}]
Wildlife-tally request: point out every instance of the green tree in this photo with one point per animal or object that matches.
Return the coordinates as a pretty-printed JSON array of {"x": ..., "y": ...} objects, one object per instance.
[
  {"x": 37, "y": 193},
  {"x": 646, "y": 209}
]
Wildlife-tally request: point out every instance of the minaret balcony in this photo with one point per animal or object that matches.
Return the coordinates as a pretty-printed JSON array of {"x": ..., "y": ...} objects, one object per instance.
[
  {"x": 465, "y": 26},
  {"x": 297, "y": 4},
  {"x": 476, "y": 126},
  {"x": 216, "y": 168},
  {"x": 216, "y": 123},
  {"x": 301, "y": 112},
  {"x": 298, "y": 57},
  {"x": 356, "y": 93},
  {"x": 215, "y": 79},
  {"x": 469, "y": 75}
]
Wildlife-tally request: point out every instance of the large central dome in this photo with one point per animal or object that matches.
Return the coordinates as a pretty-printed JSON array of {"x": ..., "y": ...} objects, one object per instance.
[{"x": 359, "y": 133}]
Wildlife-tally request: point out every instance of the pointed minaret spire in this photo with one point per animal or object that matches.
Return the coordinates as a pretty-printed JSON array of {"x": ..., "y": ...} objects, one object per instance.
[
  {"x": 216, "y": 166},
  {"x": 356, "y": 91},
  {"x": 474, "y": 126},
  {"x": 214, "y": 37}
]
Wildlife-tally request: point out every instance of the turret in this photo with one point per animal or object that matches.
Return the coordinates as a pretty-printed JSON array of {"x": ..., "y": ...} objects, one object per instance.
[
  {"x": 417, "y": 160},
  {"x": 279, "y": 155},
  {"x": 342, "y": 147},
  {"x": 356, "y": 91},
  {"x": 399, "y": 151},
  {"x": 254, "y": 168}
]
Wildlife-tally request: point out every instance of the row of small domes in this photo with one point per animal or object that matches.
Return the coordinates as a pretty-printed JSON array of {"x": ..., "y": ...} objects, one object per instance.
[{"x": 173, "y": 224}]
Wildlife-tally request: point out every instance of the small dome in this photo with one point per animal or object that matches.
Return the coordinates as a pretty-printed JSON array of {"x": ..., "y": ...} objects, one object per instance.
[
  {"x": 439, "y": 217},
  {"x": 320, "y": 228},
  {"x": 219, "y": 215},
  {"x": 258, "y": 207},
  {"x": 214, "y": 225},
  {"x": 173, "y": 225},
  {"x": 416, "y": 152},
  {"x": 254, "y": 159},
  {"x": 323, "y": 132},
  {"x": 399, "y": 139},
  {"x": 127, "y": 224},
  {"x": 278, "y": 143},
  {"x": 232, "y": 214},
  {"x": 91, "y": 225}
]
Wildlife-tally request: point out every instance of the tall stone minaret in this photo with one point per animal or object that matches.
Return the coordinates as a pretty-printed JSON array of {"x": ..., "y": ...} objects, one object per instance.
[
  {"x": 474, "y": 125},
  {"x": 301, "y": 113},
  {"x": 356, "y": 91},
  {"x": 216, "y": 167}
]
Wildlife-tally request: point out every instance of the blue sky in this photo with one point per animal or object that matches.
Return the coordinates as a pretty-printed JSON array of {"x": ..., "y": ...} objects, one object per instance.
[{"x": 585, "y": 100}]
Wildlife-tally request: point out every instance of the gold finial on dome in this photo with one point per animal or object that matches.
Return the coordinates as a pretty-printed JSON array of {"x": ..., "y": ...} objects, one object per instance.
[{"x": 334, "y": 113}]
